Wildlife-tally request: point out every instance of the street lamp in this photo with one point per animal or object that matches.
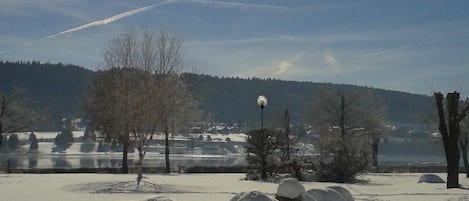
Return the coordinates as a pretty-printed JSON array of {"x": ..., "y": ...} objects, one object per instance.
[{"x": 262, "y": 102}]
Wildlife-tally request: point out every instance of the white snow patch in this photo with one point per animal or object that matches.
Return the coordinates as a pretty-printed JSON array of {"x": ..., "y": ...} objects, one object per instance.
[
  {"x": 204, "y": 187},
  {"x": 430, "y": 178}
]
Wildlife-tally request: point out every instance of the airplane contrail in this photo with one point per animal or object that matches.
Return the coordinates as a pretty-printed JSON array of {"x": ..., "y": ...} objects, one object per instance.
[
  {"x": 107, "y": 20},
  {"x": 239, "y": 4},
  {"x": 145, "y": 8}
]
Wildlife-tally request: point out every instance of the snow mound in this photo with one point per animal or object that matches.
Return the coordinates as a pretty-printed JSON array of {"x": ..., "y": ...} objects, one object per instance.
[
  {"x": 251, "y": 196},
  {"x": 430, "y": 178},
  {"x": 160, "y": 198},
  {"x": 343, "y": 191},
  {"x": 290, "y": 188},
  {"x": 325, "y": 195}
]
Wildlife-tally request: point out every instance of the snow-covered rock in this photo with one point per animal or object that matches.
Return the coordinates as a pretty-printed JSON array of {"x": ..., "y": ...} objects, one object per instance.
[
  {"x": 325, "y": 195},
  {"x": 430, "y": 178},
  {"x": 290, "y": 188},
  {"x": 251, "y": 196},
  {"x": 162, "y": 198},
  {"x": 343, "y": 191}
]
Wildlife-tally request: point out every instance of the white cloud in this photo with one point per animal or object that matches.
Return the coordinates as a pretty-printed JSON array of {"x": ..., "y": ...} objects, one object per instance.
[
  {"x": 284, "y": 65},
  {"x": 331, "y": 62}
]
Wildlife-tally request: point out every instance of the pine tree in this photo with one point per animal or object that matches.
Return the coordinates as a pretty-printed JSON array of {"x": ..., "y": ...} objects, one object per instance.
[
  {"x": 33, "y": 146},
  {"x": 13, "y": 142}
]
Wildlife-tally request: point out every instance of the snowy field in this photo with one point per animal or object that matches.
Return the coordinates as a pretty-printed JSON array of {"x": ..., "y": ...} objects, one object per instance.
[{"x": 206, "y": 187}]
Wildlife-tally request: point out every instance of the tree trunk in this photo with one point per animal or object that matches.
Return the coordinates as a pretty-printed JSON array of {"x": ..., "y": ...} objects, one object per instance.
[
  {"x": 374, "y": 153},
  {"x": 2, "y": 114},
  {"x": 166, "y": 150},
  {"x": 450, "y": 135},
  {"x": 140, "y": 166},
  {"x": 263, "y": 169},
  {"x": 287, "y": 134},
  {"x": 453, "y": 160},
  {"x": 125, "y": 168}
]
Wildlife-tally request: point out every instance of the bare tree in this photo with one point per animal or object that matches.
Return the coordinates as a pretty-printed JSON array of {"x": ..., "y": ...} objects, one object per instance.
[
  {"x": 177, "y": 105},
  {"x": 342, "y": 143},
  {"x": 449, "y": 130},
  {"x": 122, "y": 98},
  {"x": 140, "y": 91},
  {"x": 372, "y": 122},
  {"x": 107, "y": 110}
]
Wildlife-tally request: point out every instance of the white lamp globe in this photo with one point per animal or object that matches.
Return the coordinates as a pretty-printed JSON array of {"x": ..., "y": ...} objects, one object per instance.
[{"x": 261, "y": 101}]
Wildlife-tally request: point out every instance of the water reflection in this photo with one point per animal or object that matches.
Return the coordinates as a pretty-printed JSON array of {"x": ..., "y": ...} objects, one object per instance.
[
  {"x": 32, "y": 161},
  {"x": 14, "y": 163},
  {"x": 61, "y": 161},
  {"x": 87, "y": 162}
]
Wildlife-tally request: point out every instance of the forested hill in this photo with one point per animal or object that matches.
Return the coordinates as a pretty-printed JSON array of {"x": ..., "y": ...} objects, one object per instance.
[
  {"x": 233, "y": 99},
  {"x": 59, "y": 90},
  {"x": 56, "y": 89}
]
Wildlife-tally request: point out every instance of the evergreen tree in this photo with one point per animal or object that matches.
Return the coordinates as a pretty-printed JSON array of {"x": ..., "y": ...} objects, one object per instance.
[
  {"x": 33, "y": 142},
  {"x": 67, "y": 132},
  {"x": 114, "y": 146},
  {"x": 60, "y": 142},
  {"x": 13, "y": 142},
  {"x": 89, "y": 134},
  {"x": 101, "y": 147}
]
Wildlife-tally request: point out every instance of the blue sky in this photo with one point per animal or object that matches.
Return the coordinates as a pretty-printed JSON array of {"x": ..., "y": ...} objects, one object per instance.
[{"x": 417, "y": 46}]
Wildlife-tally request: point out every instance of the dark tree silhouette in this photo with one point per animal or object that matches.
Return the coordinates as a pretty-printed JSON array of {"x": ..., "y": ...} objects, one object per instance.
[
  {"x": 260, "y": 146},
  {"x": 449, "y": 130},
  {"x": 33, "y": 146}
]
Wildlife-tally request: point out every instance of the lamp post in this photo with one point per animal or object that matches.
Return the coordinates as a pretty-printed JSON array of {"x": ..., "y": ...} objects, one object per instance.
[{"x": 262, "y": 102}]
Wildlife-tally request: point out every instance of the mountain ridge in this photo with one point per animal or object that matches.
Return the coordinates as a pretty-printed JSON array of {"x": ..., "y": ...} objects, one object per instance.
[{"x": 60, "y": 88}]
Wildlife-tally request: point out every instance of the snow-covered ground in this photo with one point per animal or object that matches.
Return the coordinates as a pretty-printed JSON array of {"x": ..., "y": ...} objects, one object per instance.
[{"x": 205, "y": 187}]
